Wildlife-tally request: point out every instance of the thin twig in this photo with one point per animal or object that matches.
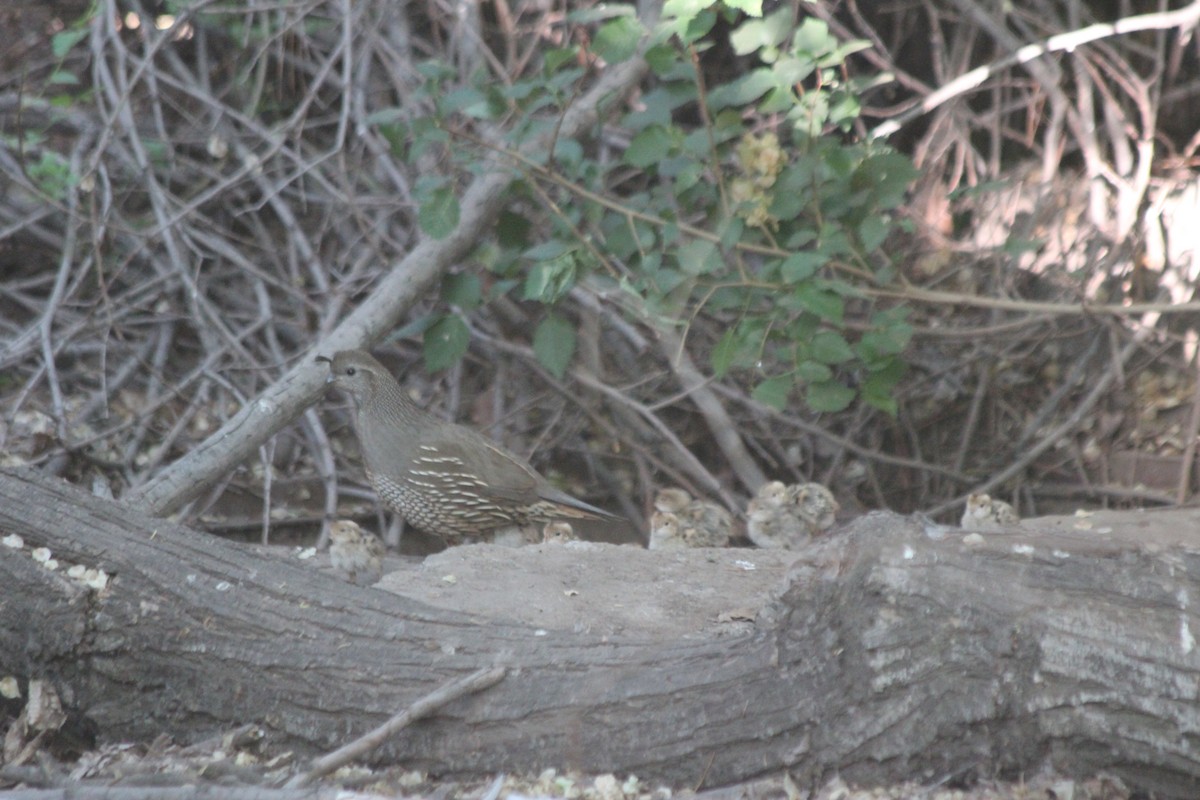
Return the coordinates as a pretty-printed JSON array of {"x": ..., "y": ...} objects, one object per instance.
[
  {"x": 1054, "y": 436},
  {"x": 475, "y": 682},
  {"x": 1183, "y": 19}
]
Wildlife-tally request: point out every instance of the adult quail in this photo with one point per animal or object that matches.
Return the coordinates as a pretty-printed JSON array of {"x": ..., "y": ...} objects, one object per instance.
[
  {"x": 986, "y": 514},
  {"x": 443, "y": 478}
]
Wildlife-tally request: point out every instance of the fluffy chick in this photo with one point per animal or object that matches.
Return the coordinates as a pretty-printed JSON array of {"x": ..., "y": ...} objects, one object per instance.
[
  {"x": 357, "y": 553},
  {"x": 815, "y": 504},
  {"x": 985, "y": 514},
  {"x": 558, "y": 532},
  {"x": 671, "y": 500},
  {"x": 771, "y": 522},
  {"x": 701, "y": 523},
  {"x": 665, "y": 533}
]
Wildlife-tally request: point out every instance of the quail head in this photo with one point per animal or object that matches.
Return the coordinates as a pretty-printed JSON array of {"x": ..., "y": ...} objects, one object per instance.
[
  {"x": 701, "y": 523},
  {"x": 774, "y": 519},
  {"x": 816, "y": 504},
  {"x": 671, "y": 500},
  {"x": 983, "y": 513},
  {"x": 355, "y": 552},
  {"x": 665, "y": 533},
  {"x": 444, "y": 478},
  {"x": 558, "y": 533}
]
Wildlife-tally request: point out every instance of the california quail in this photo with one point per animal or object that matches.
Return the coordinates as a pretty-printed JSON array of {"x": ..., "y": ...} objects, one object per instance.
[
  {"x": 787, "y": 517},
  {"x": 815, "y": 504},
  {"x": 985, "y": 514},
  {"x": 701, "y": 523},
  {"x": 770, "y": 522},
  {"x": 443, "y": 478},
  {"x": 664, "y": 532},
  {"x": 558, "y": 533},
  {"x": 356, "y": 552}
]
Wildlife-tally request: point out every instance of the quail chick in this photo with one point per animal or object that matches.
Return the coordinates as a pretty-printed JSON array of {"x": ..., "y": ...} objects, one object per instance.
[
  {"x": 671, "y": 500},
  {"x": 357, "y": 553},
  {"x": 771, "y": 522},
  {"x": 985, "y": 514},
  {"x": 558, "y": 532},
  {"x": 815, "y": 504},
  {"x": 701, "y": 523},
  {"x": 665, "y": 533}
]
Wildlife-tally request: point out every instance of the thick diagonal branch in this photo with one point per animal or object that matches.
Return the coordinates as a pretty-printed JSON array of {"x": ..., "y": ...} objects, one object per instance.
[{"x": 239, "y": 438}]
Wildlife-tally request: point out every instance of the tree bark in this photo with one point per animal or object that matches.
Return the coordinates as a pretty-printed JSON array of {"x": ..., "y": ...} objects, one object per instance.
[{"x": 885, "y": 656}]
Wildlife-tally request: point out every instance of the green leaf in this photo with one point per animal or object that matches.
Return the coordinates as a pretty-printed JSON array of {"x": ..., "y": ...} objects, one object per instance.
[
  {"x": 889, "y": 341},
  {"x": 445, "y": 342},
  {"x": 62, "y": 42},
  {"x": 825, "y": 304},
  {"x": 438, "y": 213},
  {"x": 744, "y": 90},
  {"x": 828, "y": 396},
  {"x": 813, "y": 38},
  {"x": 688, "y": 19},
  {"x": 724, "y": 352},
  {"x": 555, "y": 58},
  {"x": 879, "y": 386},
  {"x": 770, "y": 31},
  {"x": 567, "y": 151},
  {"x": 885, "y": 403},
  {"x": 547, "y": 250},
  {"x": 892, "y": 174},
  {"x": 649, "y": 147},
  {"x": 699, "y": 257},
  {"x": 872, "y": 231},
  {"x": 732, "y": 232},
  {"x": 801, "y": 266},
  {"x": 462, "y": 289},
  {"x": 467, "y": 100},
  {"x": 829, "y": 347},
  {"x": 751, "y": 8},
  {"x": 617, "y": 40},
  {"x": 63, "y": 78},
  {"x": 554, "y": 344},
  {"x": 549, "y": 280},
  {"x": 813, "y": 372},
  {"x": 774, "y": 391},
  {"x": 661, "y": 58}
]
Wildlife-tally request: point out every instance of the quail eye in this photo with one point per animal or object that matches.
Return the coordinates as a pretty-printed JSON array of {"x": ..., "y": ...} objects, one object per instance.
[{"x": 350, "y": 370}]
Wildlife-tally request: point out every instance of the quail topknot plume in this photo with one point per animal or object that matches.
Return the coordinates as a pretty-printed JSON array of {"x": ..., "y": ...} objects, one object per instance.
[{"x": 442, "y": 477}]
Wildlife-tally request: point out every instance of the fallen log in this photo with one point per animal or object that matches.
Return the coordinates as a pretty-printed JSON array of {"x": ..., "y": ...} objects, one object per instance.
[{"x": 883, "y": 654}]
